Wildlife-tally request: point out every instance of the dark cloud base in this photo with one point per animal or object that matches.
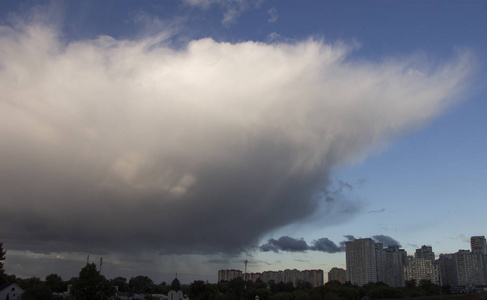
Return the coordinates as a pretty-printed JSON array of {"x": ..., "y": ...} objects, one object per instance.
[{"x": 289, "y": 244}]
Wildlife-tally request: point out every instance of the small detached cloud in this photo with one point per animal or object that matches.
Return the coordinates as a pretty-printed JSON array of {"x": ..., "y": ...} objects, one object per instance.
[
  {"x": 273, "y": 36},
  {"x": 232, "y": 9},
  {"x": 464, "y": 238},
  {"x": 377, "y": 211},
  {"x": 273, "y": 15}
]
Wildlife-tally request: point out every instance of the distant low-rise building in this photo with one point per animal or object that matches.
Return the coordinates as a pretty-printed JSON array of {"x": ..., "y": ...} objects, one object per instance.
[
  {"x": 315, "y": 277},
  {"x": 228, "y": 275},
  {"x": 337, "y": 274}
]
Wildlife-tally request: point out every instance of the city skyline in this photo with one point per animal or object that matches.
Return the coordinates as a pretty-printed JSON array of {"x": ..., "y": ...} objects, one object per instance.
[
  {"x": 370, "y": 260},
  {"x": 190, "y": 136}
]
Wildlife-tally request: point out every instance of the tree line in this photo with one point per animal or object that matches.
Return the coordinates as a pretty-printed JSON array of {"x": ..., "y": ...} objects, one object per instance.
[
  {"x": 90, "y": 285},
  {"x": 238, "y": 289}
]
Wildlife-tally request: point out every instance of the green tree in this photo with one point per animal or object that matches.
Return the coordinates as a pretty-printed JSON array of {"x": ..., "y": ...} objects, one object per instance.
[
  {"x": 303, "y": 285},
  {"x": 263, "y": 293},
  {"x": 56, "y": 283},
  {"x": 162, "y": 288},
  {"x": 121, "y": 284},
  {"x": 428, "y": 287},
  {"x": 300, "y": 295},
  {"x": 141, "y": 285},
  {"x": 91, "y": 285},
  {"x": 331, "y": 296},
  {"x": 27, "y": 283},
  {"x": 197, "y": 290},
  {"x": 37, "y": 290},
  {"x": 282, "y": 296},
  {"x": 410, "y": 284}
]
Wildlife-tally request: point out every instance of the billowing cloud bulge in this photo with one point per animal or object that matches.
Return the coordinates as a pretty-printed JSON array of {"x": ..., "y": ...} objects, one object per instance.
[{"x": 124, "y": 145}]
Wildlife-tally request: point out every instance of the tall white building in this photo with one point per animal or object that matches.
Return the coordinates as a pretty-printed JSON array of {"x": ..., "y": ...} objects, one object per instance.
[{"x": 361, "y": 261}]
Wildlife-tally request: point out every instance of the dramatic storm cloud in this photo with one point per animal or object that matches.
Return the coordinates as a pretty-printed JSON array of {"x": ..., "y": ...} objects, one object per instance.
[{"x": 125, "y": 145}]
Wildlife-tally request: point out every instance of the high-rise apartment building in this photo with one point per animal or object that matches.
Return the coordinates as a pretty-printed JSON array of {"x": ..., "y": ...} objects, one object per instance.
[
  {"x": 422, "y": 265},
  {"x": 478, "y": 244},
  {"x": 368, "y": 261},
  {"x": 361, "y": 261},
  {"x": 464, "y": 267},
  {"x": 447, "y": 270},
  {"x": 425, "y": 264},
  {"x": 479, "y": 252},
  {"x": 380, "y": 261},
  {"x": 395, "y": 261}
]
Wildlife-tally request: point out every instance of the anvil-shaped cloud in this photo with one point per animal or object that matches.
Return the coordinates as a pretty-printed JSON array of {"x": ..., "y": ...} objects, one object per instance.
[{"x": 117, "y": 145}]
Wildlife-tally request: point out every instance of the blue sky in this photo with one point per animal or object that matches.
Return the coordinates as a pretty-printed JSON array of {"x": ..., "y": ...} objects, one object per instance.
[{"x": 277, "y": 88}]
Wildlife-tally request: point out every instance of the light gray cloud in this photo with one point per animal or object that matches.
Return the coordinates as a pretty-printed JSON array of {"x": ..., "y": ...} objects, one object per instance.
[
  {"x": 232, "y": 9},
  {"x": 345, "y": 185},
  {"x": 273, "y": 36},
  {"x": 273, "y": 15},
  {"x": 133, "y": 145}
]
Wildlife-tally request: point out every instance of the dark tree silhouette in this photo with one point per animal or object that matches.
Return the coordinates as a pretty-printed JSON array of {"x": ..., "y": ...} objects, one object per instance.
[
  {"x": 175, "y": 284},
  {"x": 90, "y": 285}
]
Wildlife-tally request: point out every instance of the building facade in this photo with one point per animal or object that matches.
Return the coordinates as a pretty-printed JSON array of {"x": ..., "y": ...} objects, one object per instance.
[
  {"x": 395, "y": 261},
  {"x": 361, "y": 261},
  {"x": 422, "y": 265},
  {"x": 228, "y": 275},
  {"x": 315, "y": 277}
]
